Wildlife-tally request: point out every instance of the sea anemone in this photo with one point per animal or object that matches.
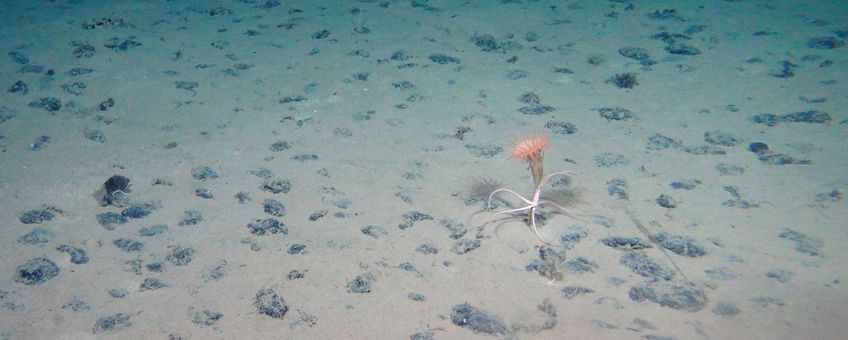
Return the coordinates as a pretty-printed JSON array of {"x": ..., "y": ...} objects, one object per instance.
[{"x": 529, "y": 147}]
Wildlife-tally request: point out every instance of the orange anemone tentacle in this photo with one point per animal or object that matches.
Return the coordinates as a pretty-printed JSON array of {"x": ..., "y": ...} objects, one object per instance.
[{"x": 529, "y": 147}]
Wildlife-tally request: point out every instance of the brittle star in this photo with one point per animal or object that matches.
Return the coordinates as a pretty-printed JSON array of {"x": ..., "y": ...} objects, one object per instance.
[{"x": 533, "y": 204}]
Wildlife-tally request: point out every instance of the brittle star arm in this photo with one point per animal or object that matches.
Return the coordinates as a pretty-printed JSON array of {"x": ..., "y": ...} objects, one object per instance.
[
  {"x": 533, "y": 225},
  {"x": 489, "y": 202}
]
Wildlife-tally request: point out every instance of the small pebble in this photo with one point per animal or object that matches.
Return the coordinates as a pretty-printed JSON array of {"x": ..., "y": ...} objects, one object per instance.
[
  {"x": 361, "y": 284},
  {"x": 151, "y": 283},
  {"x": 203, "y": 173},
  {"x": 191, "y": 217},
  {"x": 181, "y": 256},
  {"x": 725, "y": 308},
  {"x": 204, "y": 193},
  {"x": 78, "y": 255},
  {"x": 38, "y": 235},
  {"x": 112, "y": 323},
  {"x": 36, "y": 271},
  {"x": 36, "y": 216},
  {"x": 269, "y": 303}
]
